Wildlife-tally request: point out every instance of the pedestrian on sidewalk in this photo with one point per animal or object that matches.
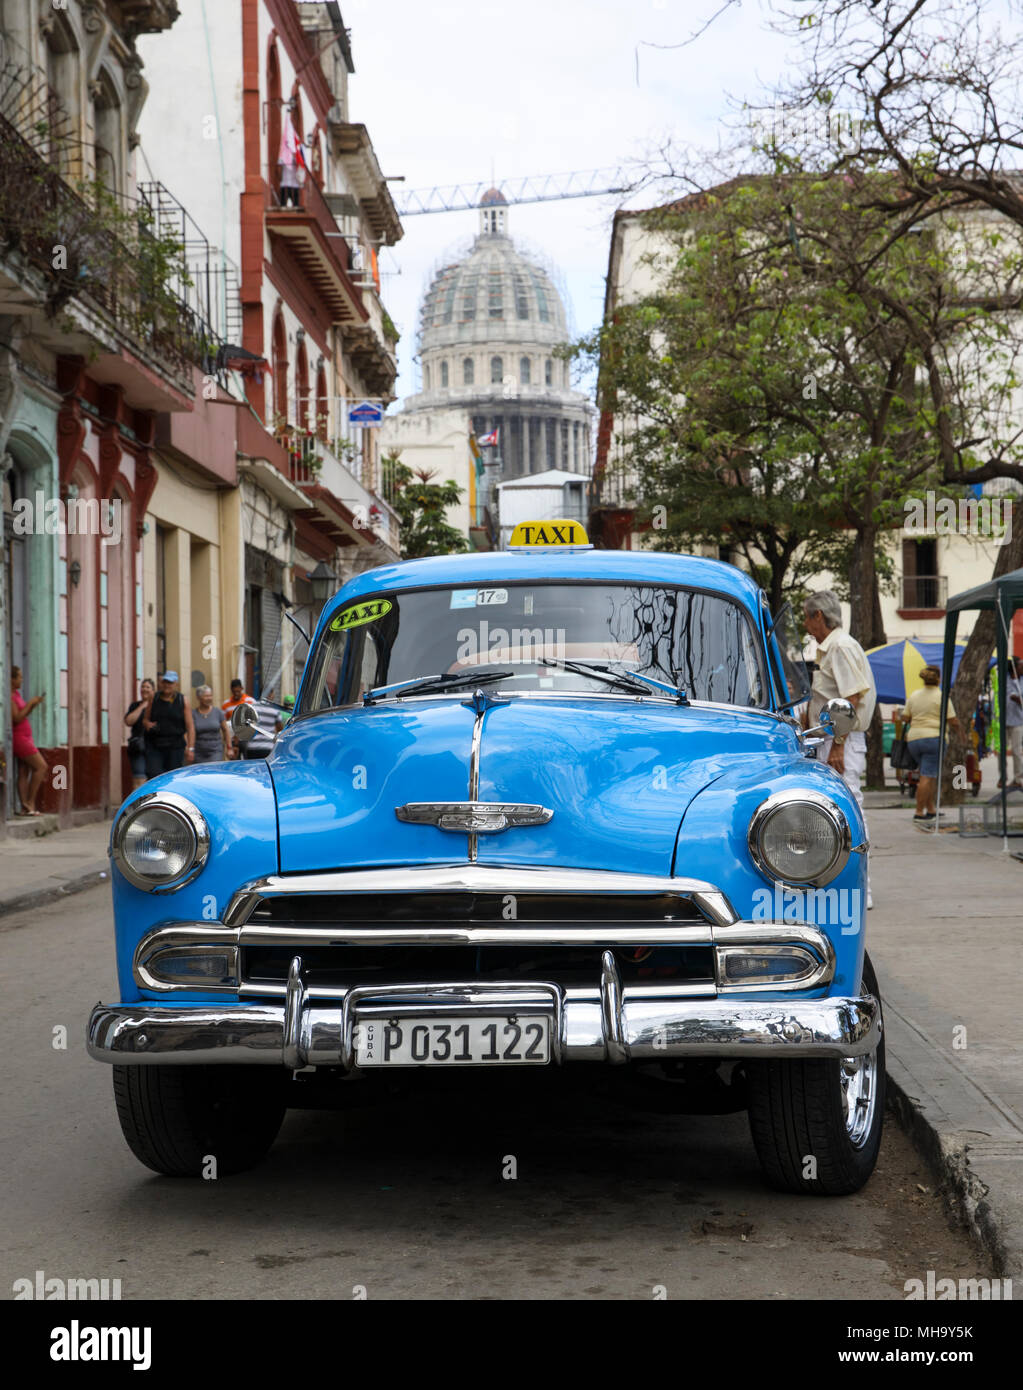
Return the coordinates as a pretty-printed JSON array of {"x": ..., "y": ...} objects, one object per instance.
[
  {"x": 842, "y": 671},
  {"x": 923, "y": 743},
  {"x": 31, "y": 763},
  {"x": 239, "y": 696},
  {"x": 1014, "y": 719},
  {"x": 170, "y": 733},
  {"x": 135, "y": 718},
  {"x": 212, "y": 738}
]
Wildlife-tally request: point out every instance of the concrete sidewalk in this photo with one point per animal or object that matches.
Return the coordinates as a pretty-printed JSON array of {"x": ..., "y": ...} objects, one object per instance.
[
  {"x": 946, "y": 938},
  {"x": 34, "y": 871}
]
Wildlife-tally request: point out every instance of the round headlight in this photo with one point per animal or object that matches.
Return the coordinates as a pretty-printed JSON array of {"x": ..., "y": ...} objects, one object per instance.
[
  {"x": 161, "y": 842},
  {"x": 799, "y": 838}
]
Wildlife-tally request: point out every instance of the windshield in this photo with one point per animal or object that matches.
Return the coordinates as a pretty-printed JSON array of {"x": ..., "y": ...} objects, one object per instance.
[{"x": 702, "y": 642}]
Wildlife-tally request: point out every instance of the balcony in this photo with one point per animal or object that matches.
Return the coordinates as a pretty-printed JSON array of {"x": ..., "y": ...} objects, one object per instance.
[
  {"x": 338, "y": 468},
  {"x": 84, "y": 268},
  {"x": 311, "y": 234},
  {"x": 922, "y": 594}
]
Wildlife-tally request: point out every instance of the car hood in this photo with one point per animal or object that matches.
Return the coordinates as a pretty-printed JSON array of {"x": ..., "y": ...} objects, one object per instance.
[{"x": 618, "y": 775}]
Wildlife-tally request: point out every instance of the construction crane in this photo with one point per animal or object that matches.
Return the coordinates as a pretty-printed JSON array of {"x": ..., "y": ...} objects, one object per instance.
[{"x": 537, "y": 188}]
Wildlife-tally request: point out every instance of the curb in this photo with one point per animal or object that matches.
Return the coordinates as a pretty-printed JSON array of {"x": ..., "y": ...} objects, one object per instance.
[
  {"x": 51, "y": 890},
  {"x": 990, "y": 1207}
]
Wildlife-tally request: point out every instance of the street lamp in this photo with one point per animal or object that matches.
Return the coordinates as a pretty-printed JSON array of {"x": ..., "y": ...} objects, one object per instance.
[{"x": 323, "y": 582}]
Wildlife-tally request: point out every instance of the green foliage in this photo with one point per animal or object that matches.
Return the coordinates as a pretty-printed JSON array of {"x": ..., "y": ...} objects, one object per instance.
[
  {"x": 775, "y": 395},
  {"x": 421, "y": 505}
]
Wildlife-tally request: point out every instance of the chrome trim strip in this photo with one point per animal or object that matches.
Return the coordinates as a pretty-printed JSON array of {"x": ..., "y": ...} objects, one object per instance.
[
  {"x": 793, "y": 796},
  {"x": 478, "y": 878},
  {"x": 611, "y": 1009},
  {"x": 589, "y": 994},
  {"x": 186, "y": 811},
  {"x": 141, "y": 1034},
  {"x": 474, "y": 774},
  {"x": 604, "y": 934}
]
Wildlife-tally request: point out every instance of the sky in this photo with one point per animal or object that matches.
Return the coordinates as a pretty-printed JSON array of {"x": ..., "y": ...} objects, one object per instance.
[{"x": 451, "y": 92}]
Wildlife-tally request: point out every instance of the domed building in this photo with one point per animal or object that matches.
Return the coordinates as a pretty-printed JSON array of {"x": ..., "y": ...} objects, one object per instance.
[{"x": 488, "y": 327}]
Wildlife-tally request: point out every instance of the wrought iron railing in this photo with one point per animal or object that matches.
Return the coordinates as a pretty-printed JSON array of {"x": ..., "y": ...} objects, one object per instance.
[
  {"x": 85, "y": 239},
  {"x": 924, "y": 590}
]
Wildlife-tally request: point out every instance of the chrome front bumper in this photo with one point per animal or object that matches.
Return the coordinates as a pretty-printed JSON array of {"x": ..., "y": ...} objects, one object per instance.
[
  {"x": 636, "y": 1026},
  {"x": 292, "y": 1025}
]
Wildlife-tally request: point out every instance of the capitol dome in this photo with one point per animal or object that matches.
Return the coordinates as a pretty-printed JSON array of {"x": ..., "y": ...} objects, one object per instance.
[{"x": 489, "y": 324}]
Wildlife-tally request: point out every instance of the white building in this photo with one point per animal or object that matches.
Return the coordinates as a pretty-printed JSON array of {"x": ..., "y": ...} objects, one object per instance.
[
  {"x": 546, "y": 496},
  {"x": 490, "y": 323}
]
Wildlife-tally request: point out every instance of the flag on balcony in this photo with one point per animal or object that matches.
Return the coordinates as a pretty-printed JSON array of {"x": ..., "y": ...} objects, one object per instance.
[
  {"x": 291, "y": 155},
  {"x": 488, "y": 441}
]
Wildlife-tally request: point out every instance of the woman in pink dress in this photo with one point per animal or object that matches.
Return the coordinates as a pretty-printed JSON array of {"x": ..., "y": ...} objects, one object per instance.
[{"x": 32, "y": 764}]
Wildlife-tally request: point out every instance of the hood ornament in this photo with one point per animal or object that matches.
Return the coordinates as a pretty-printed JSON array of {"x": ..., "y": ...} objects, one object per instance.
[{"x": 473, "y": 817}]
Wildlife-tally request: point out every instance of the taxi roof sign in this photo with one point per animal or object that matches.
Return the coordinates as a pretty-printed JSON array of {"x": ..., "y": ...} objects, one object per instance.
[{"x": 554, "y": 534}]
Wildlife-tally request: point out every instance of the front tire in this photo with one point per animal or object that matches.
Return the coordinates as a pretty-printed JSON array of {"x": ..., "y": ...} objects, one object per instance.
[
  {"x": 177, "y": 1119},
  {"x": 816, "y": 1124}
]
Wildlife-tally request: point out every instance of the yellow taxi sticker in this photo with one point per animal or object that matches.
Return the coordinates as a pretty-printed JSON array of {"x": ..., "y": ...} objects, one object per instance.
[
  {"x": 360, "y": 613},
  {"x": 556, "y": 532}
]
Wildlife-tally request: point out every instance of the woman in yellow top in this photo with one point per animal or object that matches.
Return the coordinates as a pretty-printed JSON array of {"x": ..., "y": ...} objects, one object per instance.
[{"x": 923, "y": 710}]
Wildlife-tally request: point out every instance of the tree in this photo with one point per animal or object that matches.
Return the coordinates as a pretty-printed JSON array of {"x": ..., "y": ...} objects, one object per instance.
[
  {"x": 931, "y": 91},
  {"x": 784, "y": 378},
  {"x": 421, "y": 505}
]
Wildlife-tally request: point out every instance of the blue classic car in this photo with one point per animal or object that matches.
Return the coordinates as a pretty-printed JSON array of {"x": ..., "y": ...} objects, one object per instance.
[{"x": 533, "y": 808}]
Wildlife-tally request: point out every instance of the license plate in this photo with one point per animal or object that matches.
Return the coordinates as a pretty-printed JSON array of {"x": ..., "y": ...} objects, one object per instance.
[{"x": 518, "y": 1040}]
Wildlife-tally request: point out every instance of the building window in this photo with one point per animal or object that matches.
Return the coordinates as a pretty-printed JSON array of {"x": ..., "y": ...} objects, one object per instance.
[
  {"x": 443, "y": 374},
  {"x": 63, "y": 109},
  {"x": 108, "y": 135},
  {"x": 426, "y": 378},
  {"x": 273, "y": 117},
  {"x": 279, "y": 365},
  {"x": 524, "y": 370},
  {"x": 302, "y": 387},
  {"x": 495, "y": 295},
  {"x": 161, "y": 599},
  {"x": 468, "y": 371},
  {"x": 496, "y": 370},
  {"x": 548, "y": 373},
  {"x": 521, "y": 301},
  {"x": 322, "y": 404}
]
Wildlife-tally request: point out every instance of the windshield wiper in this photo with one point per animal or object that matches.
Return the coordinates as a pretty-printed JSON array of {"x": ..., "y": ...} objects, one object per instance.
[
  {"x": 628, "y": 680},
  {"x": 449, "y": 680}
]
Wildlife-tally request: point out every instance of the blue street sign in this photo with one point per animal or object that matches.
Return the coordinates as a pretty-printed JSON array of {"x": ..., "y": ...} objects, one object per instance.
[{"x": 366, "y": 413}]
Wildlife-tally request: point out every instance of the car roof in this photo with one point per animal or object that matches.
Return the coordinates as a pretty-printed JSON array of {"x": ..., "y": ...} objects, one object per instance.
[{"x": 501, "y": 566}]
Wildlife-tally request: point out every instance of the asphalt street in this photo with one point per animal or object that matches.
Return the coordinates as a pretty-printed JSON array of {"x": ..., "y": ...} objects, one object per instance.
[{"x": 406, "y": 1194}]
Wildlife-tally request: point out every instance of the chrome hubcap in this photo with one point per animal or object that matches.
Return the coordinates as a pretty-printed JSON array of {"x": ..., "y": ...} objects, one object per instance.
[{"x": 859, "y": 1095}]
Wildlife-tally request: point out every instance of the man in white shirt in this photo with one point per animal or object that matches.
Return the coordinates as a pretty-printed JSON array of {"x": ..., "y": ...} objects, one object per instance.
[{"x": 842, "y": 671}]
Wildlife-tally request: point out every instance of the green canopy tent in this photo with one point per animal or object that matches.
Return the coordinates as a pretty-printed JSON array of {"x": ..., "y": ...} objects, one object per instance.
[{"x": 1003, "y": 596}]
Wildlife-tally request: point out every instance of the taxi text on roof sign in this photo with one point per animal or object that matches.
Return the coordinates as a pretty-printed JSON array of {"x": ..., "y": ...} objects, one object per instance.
[{"x": 556, "y": 532}]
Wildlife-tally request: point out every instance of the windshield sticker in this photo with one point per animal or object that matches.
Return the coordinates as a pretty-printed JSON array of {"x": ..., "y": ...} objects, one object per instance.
[
  {"x": 463, "y": 598},
  {"x": 359, "y": 614},
  {"x": 484, "y": 597}
]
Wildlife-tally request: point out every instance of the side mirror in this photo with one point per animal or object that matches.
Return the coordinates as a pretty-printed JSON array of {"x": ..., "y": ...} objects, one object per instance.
[
  {"x": 838, "y": 718},
  {"x": 244, "y": 722}
]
